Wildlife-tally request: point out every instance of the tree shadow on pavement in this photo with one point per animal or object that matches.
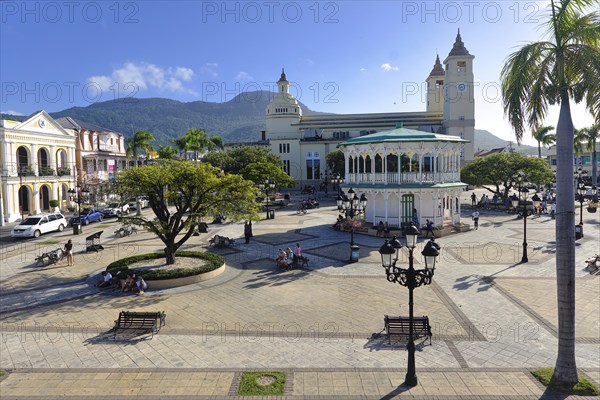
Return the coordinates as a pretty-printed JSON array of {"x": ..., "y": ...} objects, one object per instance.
[
  {"x": 484, "y": 282},
  {"x": 274, "y": 277}
]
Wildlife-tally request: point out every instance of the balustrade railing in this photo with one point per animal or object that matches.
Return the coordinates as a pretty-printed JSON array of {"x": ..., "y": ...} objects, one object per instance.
[{"x": 394, "y": 178}]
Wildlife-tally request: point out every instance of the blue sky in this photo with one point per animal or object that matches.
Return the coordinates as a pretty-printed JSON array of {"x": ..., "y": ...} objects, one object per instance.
[{"x": 341, "y": 56}]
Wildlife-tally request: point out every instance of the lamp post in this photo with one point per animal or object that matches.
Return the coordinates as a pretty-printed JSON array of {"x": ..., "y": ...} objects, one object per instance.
[
  {"x": 581, "y": 194},
  {"x": 267, "y": 187},
  {"x": 337, "y": 180},
  {"x": 353, "y": 206},
  {"x": 519, "y": 182},
  {"x": 411, "y": 279},
  {"x": 76, "y": 195}
]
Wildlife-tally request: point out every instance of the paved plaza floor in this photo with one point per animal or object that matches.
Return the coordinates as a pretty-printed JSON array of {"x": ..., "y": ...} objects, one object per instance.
[{"x": 493, "y": 319}]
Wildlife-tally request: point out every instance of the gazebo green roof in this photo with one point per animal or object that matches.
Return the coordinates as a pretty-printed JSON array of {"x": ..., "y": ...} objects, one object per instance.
[{"x": 402, "y": 135}]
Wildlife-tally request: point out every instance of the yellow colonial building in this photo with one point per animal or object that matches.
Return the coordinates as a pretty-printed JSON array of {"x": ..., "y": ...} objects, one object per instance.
[{"x": 38, "y": 165}]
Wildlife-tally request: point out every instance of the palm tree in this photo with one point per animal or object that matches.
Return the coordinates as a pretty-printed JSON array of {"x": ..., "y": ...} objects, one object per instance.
[
  {"x": 197, "y": 140},
  {"x": 139, "y": 142},
  {"x": 590, "y": 137},
  {"x": 565, "y": 66},
  {"x": 542, "y": 135}
]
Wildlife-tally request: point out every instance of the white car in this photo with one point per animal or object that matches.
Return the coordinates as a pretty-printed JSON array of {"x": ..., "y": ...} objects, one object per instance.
[
  {"x": 143, "y": 200},
  {"x": 116, "y": 209},
  {"x": 36, "y": 225}
]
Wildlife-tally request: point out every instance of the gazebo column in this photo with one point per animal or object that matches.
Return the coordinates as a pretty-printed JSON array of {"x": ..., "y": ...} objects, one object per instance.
[
  {"x": 372, "y": 160},
  {"x": 347, "y": 163},
  {"x": 435, "y": 163},
  {"x": 435, "y": 207},
  {"x": 420, "y": 158},
  {"x": 384, "y": 167}
]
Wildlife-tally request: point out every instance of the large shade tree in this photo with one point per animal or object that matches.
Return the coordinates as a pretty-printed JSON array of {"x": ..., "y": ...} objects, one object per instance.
[
  {"x": 587, "y": 138},
  {"x": 543, "y": 137},
  {"x": 181, "y": 193},
  {"x": 259, "y": 171},
  {"x": 235, "y": 160},
  {"x": 565, "y": 66},
  {"x": 496, "y": 171},
  {"x": 140, "y": 141}
]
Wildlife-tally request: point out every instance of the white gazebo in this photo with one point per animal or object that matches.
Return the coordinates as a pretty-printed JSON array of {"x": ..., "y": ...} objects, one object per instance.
[{"x": 403, "y": 170}]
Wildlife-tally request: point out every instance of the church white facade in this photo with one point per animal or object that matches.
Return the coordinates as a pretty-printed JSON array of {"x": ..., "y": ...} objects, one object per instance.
[{"x": 303, "y": 142}]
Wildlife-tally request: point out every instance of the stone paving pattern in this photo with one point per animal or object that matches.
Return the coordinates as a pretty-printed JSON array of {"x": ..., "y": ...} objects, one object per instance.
[{"x": 493, "y": 319}]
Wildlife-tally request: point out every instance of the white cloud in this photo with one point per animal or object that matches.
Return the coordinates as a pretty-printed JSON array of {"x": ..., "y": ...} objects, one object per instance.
[
  {"x": 243, "y": 77},
  {"x": 362, "y": 69},
  {"x": 143, "y": 76},
  {"x": 210, "y": 69},
  {"x": 388, "y": 67},
  {"x": 310, "y": 62}
]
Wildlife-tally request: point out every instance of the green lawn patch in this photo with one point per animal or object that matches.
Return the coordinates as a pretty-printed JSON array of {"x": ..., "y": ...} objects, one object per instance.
[
  {"x": 262, "y": 384},
  {"x": 582, "y": 388},
  {"x": 49, "y": 242},
  {"x": 213, "y": 261}
]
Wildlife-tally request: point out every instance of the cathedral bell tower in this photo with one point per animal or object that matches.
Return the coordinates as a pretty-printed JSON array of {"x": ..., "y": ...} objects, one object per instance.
[
  {"x": 435, "y": 87},
  {"x": 459, "y": 103},
  {"x": 282, "y": 112}
]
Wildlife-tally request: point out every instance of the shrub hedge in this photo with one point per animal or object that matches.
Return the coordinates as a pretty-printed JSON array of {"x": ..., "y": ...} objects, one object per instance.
[{"x": 214, "y": 261}]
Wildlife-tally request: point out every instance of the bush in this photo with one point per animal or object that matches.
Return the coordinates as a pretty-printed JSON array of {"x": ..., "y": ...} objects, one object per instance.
[
  {"x": 53, "y": 203},
  {"x": 214, "y": 261}
]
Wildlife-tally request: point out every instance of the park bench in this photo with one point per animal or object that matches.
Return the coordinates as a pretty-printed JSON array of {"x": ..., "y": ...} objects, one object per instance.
[
  {"x": 125, "y": 231},
  {"x": 92, "y": 242},
  {"x": 142, "y": 322},
  {"x": 51, "y": 257},
  {"x": 299, "y": 262},
  {"x": 399, "y": 326},
  {"x": 220, "y": 241}
]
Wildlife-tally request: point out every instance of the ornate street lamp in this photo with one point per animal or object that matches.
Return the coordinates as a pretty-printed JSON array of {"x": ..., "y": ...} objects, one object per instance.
[
  {"x": 519, "y": 182},
  {"x": 411, "y": 279},
  {"x": 353, "y": 206},
  {"x": 581, "y": 193},
  {"x": 267, "y": 187}
]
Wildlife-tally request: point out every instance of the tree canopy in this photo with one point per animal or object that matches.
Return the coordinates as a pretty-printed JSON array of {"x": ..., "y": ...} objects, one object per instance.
[
  {"x": 140, "y": 141},
  {"x": 259, "y": 171},
  {"x": 181, "y": 193},
  {"x": 499, "y": 169},
  {"x": 235, "y": 160},
  {"x": 336, "y": 163},
  {"x": 166, "y": 152}
]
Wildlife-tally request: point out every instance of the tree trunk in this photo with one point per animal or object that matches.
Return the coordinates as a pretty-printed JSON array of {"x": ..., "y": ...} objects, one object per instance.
[
  {"x": 170, "y": 249},
  {"x": 566, "y": 369},
  {"x": 539, "y": 149}
]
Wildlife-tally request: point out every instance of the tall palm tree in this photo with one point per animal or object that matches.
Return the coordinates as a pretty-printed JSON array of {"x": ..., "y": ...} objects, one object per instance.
[
  {"x": 589, "y": 137},
  {"x": 542, "y": 135},
  {"x": 140, "y": 141},
  {"x": 564, "y": 66}
]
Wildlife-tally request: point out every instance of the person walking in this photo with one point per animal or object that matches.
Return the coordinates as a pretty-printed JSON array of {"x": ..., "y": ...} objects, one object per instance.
[
  {"x": 247, "y": 231},
  {"x": 476, "y": 219},
  {"x": 69, "y": 251},
  {"x": 429, "y": 228},
  {"x": 473, "y": 199}
]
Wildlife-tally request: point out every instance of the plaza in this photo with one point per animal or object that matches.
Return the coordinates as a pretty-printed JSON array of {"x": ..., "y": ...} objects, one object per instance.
[{"x": 493, "y": 319}]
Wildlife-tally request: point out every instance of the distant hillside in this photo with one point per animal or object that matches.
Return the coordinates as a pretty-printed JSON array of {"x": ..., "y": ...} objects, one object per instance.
[
  {"x": 485, "y": 140},
  {"x": 238, "y": 120}
]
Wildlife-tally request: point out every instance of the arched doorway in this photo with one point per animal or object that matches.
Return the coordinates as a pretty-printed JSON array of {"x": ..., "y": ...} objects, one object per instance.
[
  {"x": 45, "y": 198},
  {"x": 44, "y": 163},
  {"x": 24, "y": 200}
]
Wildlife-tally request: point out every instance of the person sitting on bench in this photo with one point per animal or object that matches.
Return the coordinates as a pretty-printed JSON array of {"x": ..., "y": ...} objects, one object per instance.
[{"x": 140, "y": 285}]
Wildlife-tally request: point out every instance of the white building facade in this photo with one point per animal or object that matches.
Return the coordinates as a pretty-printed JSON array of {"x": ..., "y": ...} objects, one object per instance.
[
  {"x": 38, "y": 165},
  {"x": 406, "y": 175},
  {"x": 303, "y": 142}
]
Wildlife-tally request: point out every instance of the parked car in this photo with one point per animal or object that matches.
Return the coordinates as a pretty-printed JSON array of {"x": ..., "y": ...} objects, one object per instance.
[
  {"x": 116, "y": 209},
  {"x": 36, "y": 225},
  {"x": 143, "y": 200},
  {"x": 87, "y": 216}
]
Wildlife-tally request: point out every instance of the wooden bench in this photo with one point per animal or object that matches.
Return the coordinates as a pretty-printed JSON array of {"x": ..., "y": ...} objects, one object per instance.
[
  {"x": 299, "y": 262},
  {"x": 399, "y": 326},
  {"x": 146, "y": 322}
]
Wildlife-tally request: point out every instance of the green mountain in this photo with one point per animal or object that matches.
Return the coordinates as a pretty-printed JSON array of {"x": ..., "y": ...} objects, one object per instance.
[{"x": 238, "y": 120}]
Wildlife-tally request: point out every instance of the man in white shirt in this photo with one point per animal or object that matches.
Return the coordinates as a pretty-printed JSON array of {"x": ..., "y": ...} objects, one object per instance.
[
  {"x": 105, "y": 281},
  {"x": 476, "y": 219}
]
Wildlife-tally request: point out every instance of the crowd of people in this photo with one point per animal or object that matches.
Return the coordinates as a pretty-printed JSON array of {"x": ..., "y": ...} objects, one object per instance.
[
  {"x": 285, "y": 258},
  {"x": 133, "y": 283}
]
